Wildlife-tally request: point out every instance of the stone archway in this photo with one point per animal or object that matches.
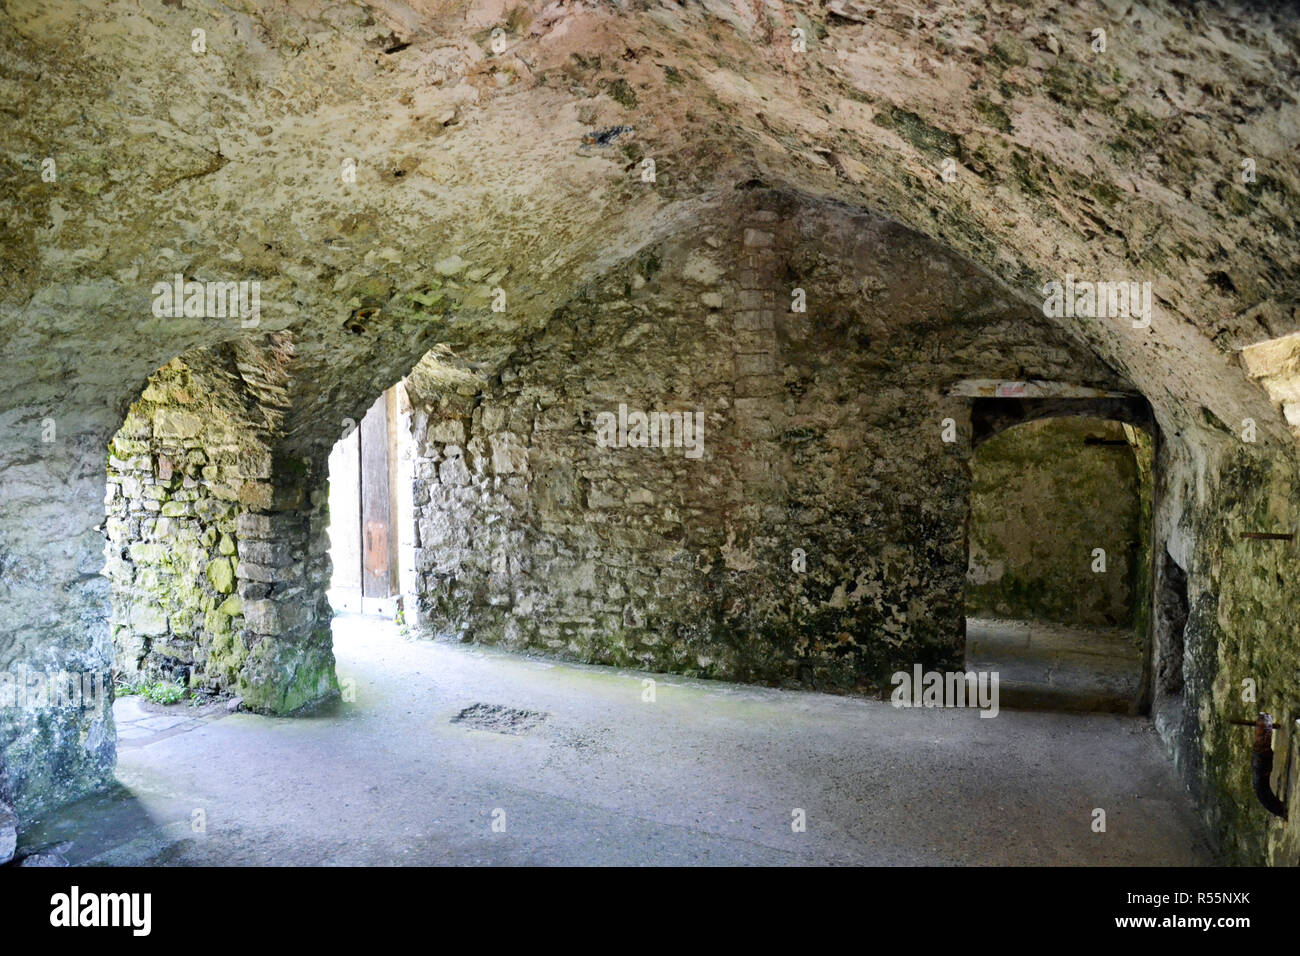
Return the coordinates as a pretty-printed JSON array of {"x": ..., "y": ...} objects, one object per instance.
[
  {"x": 525, "y": 170},
  {"x": 209, "y": 530}
]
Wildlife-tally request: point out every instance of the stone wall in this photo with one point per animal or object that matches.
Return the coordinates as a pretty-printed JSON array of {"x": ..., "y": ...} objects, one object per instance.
[
  {"x": 554, "y": 204},
  {"x": 214, "y": 550},
  {"x": 53, "y": 601},
  {"x": 1240, "y": 645},
  {"x": 819, "y": 537},
  {"x": 177, "y": 472},
  {"x": 1042, "y": 499},
  {"x": 283, "y": 573}
]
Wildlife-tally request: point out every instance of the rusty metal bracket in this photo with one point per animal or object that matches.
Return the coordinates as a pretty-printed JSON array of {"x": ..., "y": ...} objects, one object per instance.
[{"x": 1261, "y": 763}]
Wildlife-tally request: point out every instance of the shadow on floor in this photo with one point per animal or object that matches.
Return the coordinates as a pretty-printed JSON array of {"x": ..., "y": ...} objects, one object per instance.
[{"x": 77, "y": 833}]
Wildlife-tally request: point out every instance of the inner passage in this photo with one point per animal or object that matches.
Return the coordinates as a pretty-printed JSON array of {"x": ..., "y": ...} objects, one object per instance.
[{"x": 1058, "y": 576}]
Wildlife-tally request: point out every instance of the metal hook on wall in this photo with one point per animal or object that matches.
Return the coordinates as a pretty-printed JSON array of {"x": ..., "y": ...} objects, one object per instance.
[{"x": 1261, "y": 763}]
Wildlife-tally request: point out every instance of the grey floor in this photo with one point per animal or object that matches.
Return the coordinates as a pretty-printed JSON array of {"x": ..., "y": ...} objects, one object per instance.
[
  {"x": 590, "y": 773},
  {"x": 1054, "y": 667}
]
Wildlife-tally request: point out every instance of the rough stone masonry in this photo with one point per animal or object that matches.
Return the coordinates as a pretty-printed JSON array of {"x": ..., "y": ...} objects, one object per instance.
[
  {"x": 549, "y": 209},
  {"x": 818, "y": 540}
]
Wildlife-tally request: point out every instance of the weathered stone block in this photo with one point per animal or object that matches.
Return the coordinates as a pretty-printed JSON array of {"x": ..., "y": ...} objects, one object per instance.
[
  {"x": 281, "y": 677},
  {"x": 752, "y": 320},
  {"x": 258, "y": 494},
  {"x": 758, "y": 363},
  {"x": 276, "y": 617},
  {"x": 274, "y": 554},
  {"x": 596, "y": 498},
  {"x": 453, "y": 472},
  {"x": 265, "y": 573},
  {"x": 701, "y": 269},
  {"x": 446, "y": 431},
  {"x": 221, "y": 575},
  {"x": 147, "y": 553},
  {"x": 757, "y": 386},
  {"x": 215, "y": 622},
  {"x": 251, "y": 525},
  {"x": 172, "y": 423},
  {"x": 149, "y": 619},
  {"x": 509, "y": 454}
]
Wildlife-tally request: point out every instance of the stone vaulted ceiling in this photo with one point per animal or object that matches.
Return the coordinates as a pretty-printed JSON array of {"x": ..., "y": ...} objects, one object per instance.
[
  {"x": 463, "y": 184},
  {"x": 502, "y": 145}
]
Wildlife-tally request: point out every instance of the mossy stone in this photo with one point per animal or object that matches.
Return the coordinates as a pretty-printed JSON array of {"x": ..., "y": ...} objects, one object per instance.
[{"x": 221, "y": 575}]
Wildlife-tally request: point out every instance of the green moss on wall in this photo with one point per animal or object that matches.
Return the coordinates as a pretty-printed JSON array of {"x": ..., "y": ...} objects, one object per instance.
[{"x": 1044, "y": 496}]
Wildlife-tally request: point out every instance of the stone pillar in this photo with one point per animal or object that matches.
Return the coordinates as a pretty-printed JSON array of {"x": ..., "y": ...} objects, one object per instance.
[
  {"x": 53, "y": 604},
  {"x": 283, "y": 573},
  {"x": 443, "y": 494}
]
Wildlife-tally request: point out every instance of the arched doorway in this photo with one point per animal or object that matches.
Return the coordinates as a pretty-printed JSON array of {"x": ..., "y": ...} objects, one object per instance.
[{"x": 1058, "y": 578}]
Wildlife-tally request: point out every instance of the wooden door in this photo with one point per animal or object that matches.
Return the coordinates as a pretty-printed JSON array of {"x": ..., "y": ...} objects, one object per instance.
[
  {"x": 363, "y": 543},
  {"x": 376, "y": 520}
]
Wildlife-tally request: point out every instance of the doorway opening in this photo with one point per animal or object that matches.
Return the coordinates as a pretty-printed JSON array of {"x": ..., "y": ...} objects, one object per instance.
[
  {"x": 1059, "y": 563},
  {"x": 371, "y": 544}
]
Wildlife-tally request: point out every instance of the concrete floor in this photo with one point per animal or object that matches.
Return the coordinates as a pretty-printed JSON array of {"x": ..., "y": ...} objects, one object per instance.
[
  {"x": 1054, "y": 667},
  {"x": 707, "y": 774}
]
